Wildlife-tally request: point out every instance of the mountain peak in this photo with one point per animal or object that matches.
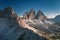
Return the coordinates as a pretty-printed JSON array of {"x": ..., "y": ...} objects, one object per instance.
[
  {"x": 9, "y": 9},
  {"x": 25, "y": 16},
  {"x": 7, "y": 12},
  {"x": 0, "y": 11},
  {"x": 40, "y": 15},
  {"x": 57, "y": 19},
  {"x": 31, "y": 9},
  {"x": 57, "y": 16},
  {"x": 40, "y": 12},
  {"x": 31, "y": 14}
]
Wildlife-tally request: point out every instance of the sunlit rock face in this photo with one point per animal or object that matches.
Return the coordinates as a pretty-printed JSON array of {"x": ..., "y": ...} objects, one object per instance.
[
  {"x": 40, "y": 15},
  {"x": 31, "y": 14},
  {"x": 25, "y": 16}
]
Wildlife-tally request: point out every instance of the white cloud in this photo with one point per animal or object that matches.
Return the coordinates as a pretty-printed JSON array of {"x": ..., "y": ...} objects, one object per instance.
[{"x": 52, "y": 15}]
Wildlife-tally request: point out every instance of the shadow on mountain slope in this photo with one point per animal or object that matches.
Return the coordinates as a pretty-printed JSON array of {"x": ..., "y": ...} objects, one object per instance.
[{"x": 30, "y": 35}]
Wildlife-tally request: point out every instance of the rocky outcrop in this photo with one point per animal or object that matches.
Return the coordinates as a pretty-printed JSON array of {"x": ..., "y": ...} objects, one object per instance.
[
  {"x": 25, "y": 16},
  {"x": 8, "y": 13},
  {"x": 57, "y": 19},
  {"x": 40, "y": 15},
  {"x": 31, "y": 14}
]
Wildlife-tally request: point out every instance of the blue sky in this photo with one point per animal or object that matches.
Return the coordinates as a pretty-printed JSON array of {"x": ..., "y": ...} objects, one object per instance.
[{"x": 50, "y": 8}]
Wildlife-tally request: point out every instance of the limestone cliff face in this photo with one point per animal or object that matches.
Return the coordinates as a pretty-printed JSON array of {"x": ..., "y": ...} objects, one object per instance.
[
  {"x": 40, "y": 15},
  {"x": 25, "y": 16},
  {"x": 31, "y": 14},
  {"x": 7, "y": 12}
]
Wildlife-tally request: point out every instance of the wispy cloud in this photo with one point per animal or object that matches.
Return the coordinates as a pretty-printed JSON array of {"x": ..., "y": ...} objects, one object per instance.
[{"x": 52, "y": 15}]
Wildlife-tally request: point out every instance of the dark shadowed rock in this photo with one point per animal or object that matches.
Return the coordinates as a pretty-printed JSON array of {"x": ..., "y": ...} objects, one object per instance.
[
  {"x": 57, "y": 19},
  {"x": 30, "y": 35},
  {"x": 9, "y": 9},
  {"x": 1, "y": 12},
  {"x": 40, "y": 15},
  {"x": 26, "y": 16},
  {"x": 31, "y": 14},
  {"x": 7, "y": 12}
]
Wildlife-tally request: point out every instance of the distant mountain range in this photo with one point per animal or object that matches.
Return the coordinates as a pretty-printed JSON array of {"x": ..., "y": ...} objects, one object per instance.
[{"x": 29, "y": 27}]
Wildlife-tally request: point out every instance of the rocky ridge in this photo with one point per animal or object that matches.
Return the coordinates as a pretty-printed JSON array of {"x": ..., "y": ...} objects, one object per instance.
[{"x": 31, "y": 15}]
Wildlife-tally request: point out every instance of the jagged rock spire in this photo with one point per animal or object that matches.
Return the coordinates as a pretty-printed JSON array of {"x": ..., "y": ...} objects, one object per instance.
[
  {"x": 40, "y": 15},
  {"x": 31, "y": 14},
  {"x": 7, "y": 12},
  {"x": 9, "y": 9},
  {"x": 40, "y": 12},
  {"x": 26, "y": 16}
]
